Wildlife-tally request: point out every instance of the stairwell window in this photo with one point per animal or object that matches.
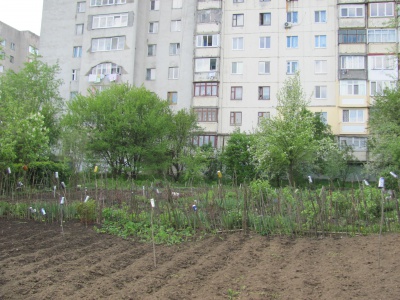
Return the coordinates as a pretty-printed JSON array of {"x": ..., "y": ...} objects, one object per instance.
[
  {"x": 153, "y": 27},
  {"x": 176, "y": 25},
  {"x": 154, "y": 4},
  {"x": 237, "y": 67},
  {"x": 151, "y": 50},
  {"x": 174, "y": 48},
  {"x": 173, "y": 73},
  {"x": 151, "y": 74},
  {"x": 237, "y": 20},
  {"x": 77, "y": 51},
  {"x": 321, "y": 92}
]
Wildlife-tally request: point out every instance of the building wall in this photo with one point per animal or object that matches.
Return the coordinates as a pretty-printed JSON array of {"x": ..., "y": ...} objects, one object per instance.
[{"x": 16, "y": 47}]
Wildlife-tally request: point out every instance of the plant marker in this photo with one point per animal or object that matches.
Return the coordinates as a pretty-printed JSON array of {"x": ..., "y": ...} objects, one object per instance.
[
  {"x": 194, "y": 207},
  {"x": 43, "y": 212},
  {"x": 366, "y": 182},
  {"x": 63, "y": 185},
  {"x": 86, "y": 199},
  {"x": 54, "y": 190},
  {"x": 219, "y": 174},
  {"x": 394, "y": 175},
  {"x": 62, "y": 200},
  {"x": 56, "y": 175},
  {"x": 9, "y": 170},
  {"x": 143, "y": 192},
  {"x": 381, "y": 183},
  {"x": 152, "y": 230},
  {"x": 309, "y": 179},
  {"x": 95, "y": 169},
  {"x": 152, "y": 203}
]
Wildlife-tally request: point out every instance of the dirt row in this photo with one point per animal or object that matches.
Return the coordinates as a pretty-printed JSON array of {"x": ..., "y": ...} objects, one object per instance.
[{"x": 38, "y": 261}]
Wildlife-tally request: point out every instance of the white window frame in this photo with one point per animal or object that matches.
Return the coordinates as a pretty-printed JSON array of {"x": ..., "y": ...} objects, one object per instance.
[
  {"x": 320, "y": 67},
  {"x": 77, "y": 51},
  {"x": 173, "y": 73},
  {"x": 174, "y": 48},
  {"x": 265, "y": 19},
  {"x": 236, "y": 118},
  {"x": 153, "y": 27},
  {"x": 264, "y": 42},
  {"x": 237, "y": 68},
  {"x": 206, "y": 64},
  {"x": 355, "y": 142},
  {"x": 352, "y": 11},
  {"x": 108, "y": 44},
  {"x": 152, "y": 50},
  {"x": 74, "y": 74},
  {"x": 292, "y": 42},
  {"x": 320, "y": 16},
  {"x": 292, "y": 17},
  {"x": 237, "y": 20},
  {"x": 176, "y": 4},
  {"x": 263, "y": 115},
  {"x": 383, "y": 62},
  {"x": 377, "y": 87},
  {"x": 264, "y": 93},
  {"x": 176, "y": 25},
  {"x": 106, "y": 69},
  {"x": 352, "y": 62},
  {"x": 320, "y": 41},
  {"x": 382, "y": 9},
  {"x": 381, "y": 35},
  {"x": 81, "y": 7},
  {"x": 237, "y": 43},
  {"x": 292, "y": 66},
  {"x": 207, "y": 40},
  {"x": 154, "y": 4},
  {"x": 150, "y": 74},
  {"x": 106, "y": 2},
  {"x": 110, "y": 21},
  {"x": 79, "y": 29},
  {"x": 353, "y": 87},
  {"x": 321, "y": 92},
  {"x": 236, "y": 93},
  {"x": 264, "y": 67},
  {"x": 353, "y": 116}
]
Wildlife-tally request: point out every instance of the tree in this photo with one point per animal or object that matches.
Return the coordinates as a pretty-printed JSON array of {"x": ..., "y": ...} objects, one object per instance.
[
  {"x": 237, "y": 157},
  {"x": 180, "y": 136},
  {"x": 384, "y": 126},
  {"x": 285, "y": 143},
  {"x": 124, "y": 126}
]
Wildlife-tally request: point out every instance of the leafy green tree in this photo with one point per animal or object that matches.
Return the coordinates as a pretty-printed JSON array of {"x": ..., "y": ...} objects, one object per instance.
[
  {"x": 384, "y": 126},
  {"x": 180, "y": 136},
  {"x": 237, "y": 157},
  {"x": 285, "y": 143},
  {"x": 124, "y": 126}
]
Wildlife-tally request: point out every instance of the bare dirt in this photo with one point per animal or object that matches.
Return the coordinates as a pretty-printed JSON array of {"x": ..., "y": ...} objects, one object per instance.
[{"x": 37, "y": 261}]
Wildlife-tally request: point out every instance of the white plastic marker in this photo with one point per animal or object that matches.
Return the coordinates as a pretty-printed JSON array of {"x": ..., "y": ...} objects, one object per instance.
[
  {"x": 152, "y": 203},
  {"x": 143, "y": 192},
  {"x": 54, "y": 190},
  {"x": 152, "y": 230},
  {"x": 366, "y": 182},
  {"x": 394, "y": 175},
  {"x": 9, "y": 170},
  {"x": 309, "y": 179},
  {"x": 381, "y": 183},
  {"x": 55, "y": 174},
  {"x": 63, "y": 185},
  {"x": 62, "y": 200},
  {"x": 86, "y": 199},
  {"x": 43, "y": 212}
]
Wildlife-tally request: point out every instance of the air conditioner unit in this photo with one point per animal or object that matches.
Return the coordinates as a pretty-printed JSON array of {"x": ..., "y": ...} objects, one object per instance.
[{"x": 288, "y": 24}]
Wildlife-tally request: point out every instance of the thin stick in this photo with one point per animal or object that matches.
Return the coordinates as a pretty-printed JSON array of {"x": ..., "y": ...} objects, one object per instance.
[
  {"x": 152, "y": 237},
  {"x": 380, "y": 230}
]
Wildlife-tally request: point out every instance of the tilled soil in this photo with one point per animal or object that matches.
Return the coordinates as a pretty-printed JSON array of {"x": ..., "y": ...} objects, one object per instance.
[{"x": 37, "y": 261}]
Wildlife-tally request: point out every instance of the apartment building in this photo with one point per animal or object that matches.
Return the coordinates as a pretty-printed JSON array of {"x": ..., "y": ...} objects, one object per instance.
[
  {"x": 228, "y": 59},
  {"x": 16, "y": 47}
]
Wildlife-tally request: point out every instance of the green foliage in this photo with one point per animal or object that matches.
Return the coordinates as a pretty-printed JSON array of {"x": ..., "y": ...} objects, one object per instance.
[
  {"x": 87, "y": 211},
  {"x": 384, "y": 126},
  {"x": 237, "y": 158}
]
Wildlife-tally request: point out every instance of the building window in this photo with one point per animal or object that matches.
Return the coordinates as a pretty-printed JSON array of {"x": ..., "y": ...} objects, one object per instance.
[
  {"x": 172, "y": 97},
  {"x": 292, "y": 17},
  {"x": 175, "y": 25},
  {"x": 174, "y": 48},
  {"x": 33, "y": 50},
  {"x": 11, "y": 59},
  {"x": 357, "y": 143},
  {"x": 154, "y": 4},
  {"x": 383, "y": 62},
  {"x": 292, "y": 66},
  {"x": 263, "y": 67},
  {"x": 150, "y": 74},
  {"x": 74, "y": 75},
  {"x": 320, "y": 41},
  {"x": 153, "y": 27},
  {"x": 106, "y": 2},
  {"x": 206, "y": 114},
  {"x": 320, "y": 16},
  {"x": 12, "y": 46},
  {"x": 353, "y": 116},
  {"x": 320, "y": 92},
  {"x": 265, "y": 42},
  {"x": 205, "y": 64},
  {"x": 352, "y": 87},
  {"x": 238, "y": 1},
  {"x": 211, "y": 40},
  {"x": 108, "y": 44},
  {"x": 173, "y": 73},
  {"x": 377, "y": 87},
  {"x": 236, "y": 118},
  {"x": 237, "y": 43},
  {"x": 384, "y": 9},
  {"x": 176, "y": 4},
  {"x": 77, "y": 51},
  {"x": 2, "y": 55},
  {"x": 354, "y": 62},
  {"x": 106, "y": 69},
  {"x": 352, "y": 36},
  {"x": 72, "y": 95},
  {"x": 78, "y": 29},
  {"x": 292, "y": 41},
  {"x": 352, "y": 11},
  {"x": 264, "y": 93},
  {"x": 321, "y": 67},
  {"x": 81, "y": 7},
  {"x": 204, "y": 89},
  {"x": 263, "y": 116},
  {"x": 3, "y": 43},
  {"x": 151, "y": 50},
  {"x": 110, "y": 21},
  {"x": 237, "y": 20},
  {"x": 236, "y": 93},
  {"x": 205, "y": 140},
  {"x": 323, "y": 116},
  {"x": 381, "y": 35},
  {"x": 237, "y": 67},
  {"x": 265, "y": 19}
]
